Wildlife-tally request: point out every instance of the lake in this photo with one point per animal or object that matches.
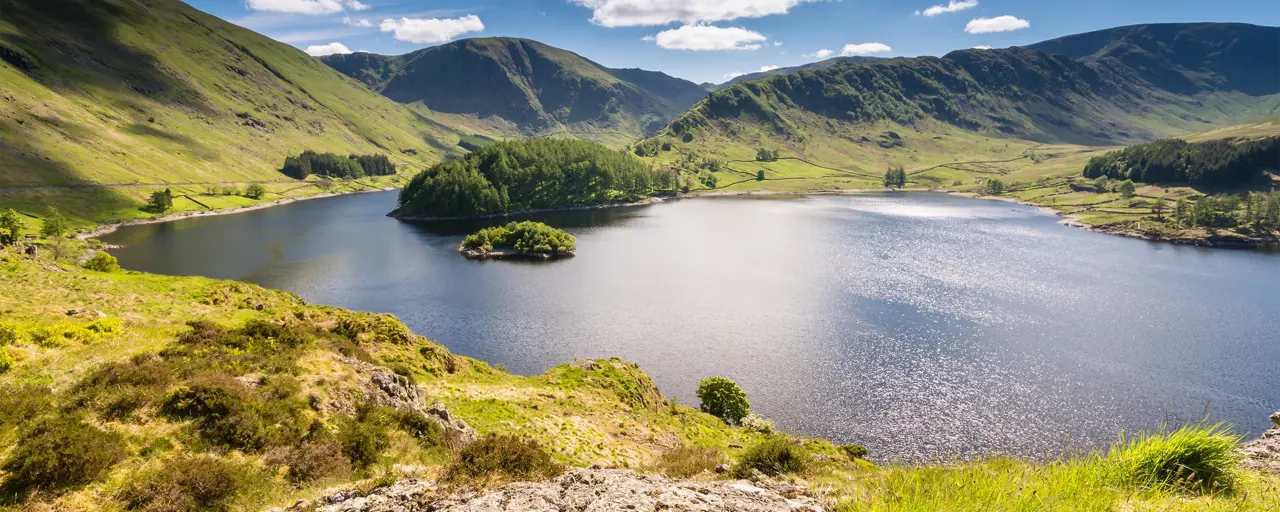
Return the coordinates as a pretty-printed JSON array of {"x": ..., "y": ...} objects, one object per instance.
[{"x": 924, "y": 326}]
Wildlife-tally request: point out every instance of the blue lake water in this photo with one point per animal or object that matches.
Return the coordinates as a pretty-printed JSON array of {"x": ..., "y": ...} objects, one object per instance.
[{"x": 924, "y": 326}]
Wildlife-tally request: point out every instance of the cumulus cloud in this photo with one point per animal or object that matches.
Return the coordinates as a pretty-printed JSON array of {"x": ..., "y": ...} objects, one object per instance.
[
  {"x": 708, "y": 38},
  {"x": 762, "y": 69},
  {"x": 821, "y": 54},
  {"x": 635, "y": 13},
  {"x": 952, "y": 6},
  {"x": 996, "y": 24},
  {"x": 320, "y": 50},
  {"x": 314, "y": 7},
  {"x": 431, "y": 30},
  {"x": 850, "y": 50}
]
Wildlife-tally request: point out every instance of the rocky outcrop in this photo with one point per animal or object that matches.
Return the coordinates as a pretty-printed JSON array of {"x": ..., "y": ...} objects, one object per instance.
[
  {"x": 387, "y": 389},
  {"x": 579, "y": 490},
  {"x": 1263, "y": 453}
]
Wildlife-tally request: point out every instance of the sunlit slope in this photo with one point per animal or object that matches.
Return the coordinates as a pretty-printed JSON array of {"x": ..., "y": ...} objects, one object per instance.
[{"x": 154, "y": 91}]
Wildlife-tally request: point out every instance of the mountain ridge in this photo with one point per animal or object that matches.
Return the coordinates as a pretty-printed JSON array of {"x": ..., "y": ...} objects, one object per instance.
[{"x": 538, "y": 87}]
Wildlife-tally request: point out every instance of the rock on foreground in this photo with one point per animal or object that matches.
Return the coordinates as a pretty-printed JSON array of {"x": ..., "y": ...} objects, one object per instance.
[
  {"x": 1263, "y": 454},
  {"x": 585, "y": 490}
]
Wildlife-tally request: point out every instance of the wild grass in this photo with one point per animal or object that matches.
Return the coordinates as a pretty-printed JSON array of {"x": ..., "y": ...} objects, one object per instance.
[{"x": 688, "y": 461}]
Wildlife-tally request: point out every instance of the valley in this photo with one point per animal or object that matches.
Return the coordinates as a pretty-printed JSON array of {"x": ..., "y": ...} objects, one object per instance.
[{"x": 842, "y": 283}]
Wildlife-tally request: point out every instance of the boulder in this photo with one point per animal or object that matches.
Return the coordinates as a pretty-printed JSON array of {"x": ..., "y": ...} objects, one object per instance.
[
  {"x": 387, "y": 389},
  {"x": 1263, "y": 454}
]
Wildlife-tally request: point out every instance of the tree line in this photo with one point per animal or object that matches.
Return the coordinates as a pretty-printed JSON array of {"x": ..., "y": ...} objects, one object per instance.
[
  {"x": 509, "y": 176},
  {"x": 1223, "y": 163},
  {"x": 337, "y": 166},
  {"x": 1258, "y": 211},
  {"x": 895, "y": 177}
]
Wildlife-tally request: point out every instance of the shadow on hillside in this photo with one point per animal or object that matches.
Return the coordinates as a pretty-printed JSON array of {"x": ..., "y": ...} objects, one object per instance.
[
  {"x": 33, "y": 179},
  {"x": 72, "y": 46}
]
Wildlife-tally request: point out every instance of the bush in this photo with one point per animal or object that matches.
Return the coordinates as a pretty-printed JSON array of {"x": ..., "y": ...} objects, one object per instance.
[
  {"x": 687, "y": 461},
  {"x": 187, "y": 483},
  {"x": 854, "y": 451},
  {"x": 362, "y": 442},
  {"x": 255, "y": 191},
  {"x": 6, "y": 359},
  {"x": 758, "y": 424},
  {"x": 427, "y": 432},
  {"x": 102, "y": 262},
  {"x": 1199, "y": 458},
  {"x": 11, "y": 227},
  {"x": 524, "y": 236},
  {"x": 723, "y": 399},
  {"x": 503, "y": 457},
  {"x": 773, "y": 456},
  {"x": 61, "y": 452},
  {"x": 310, "y": 461},
  {"x": 8, "y": 334},
  {"x": 224, "y": 412}
]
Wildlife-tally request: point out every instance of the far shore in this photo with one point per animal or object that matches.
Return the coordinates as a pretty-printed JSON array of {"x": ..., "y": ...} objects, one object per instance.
[{"x": 111, "y": 227}]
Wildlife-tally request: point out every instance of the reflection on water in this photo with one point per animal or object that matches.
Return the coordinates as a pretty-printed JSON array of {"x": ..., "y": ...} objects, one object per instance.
[{"x": 921, "y": 325}]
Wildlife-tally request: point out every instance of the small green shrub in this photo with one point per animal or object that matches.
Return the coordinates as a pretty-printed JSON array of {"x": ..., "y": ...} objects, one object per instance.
[
  {"x": 255, "y": 191},
  {"x": 23, "y": 405},
  {"x": 854, "y": 451},
  {"x": 773, "y": 456},
  {"x": 311, "y": 461},
  {"x": 758, "y": 424},
  {"x": 503, "y": 457},
  {"x": 60, "y": 452},
  {"x": 187, "y": 483},
  {"x": 102, "y": 262},
  {"x": 223, "y": 411},
  {"x": 687, "y": 461},
  {"x": 427, "y": 432},
  {"x": 362, "y": 441},
  {"x": 6, "y": 359},
  {"x": 723, "y": 399},
  {"x": 8, "y": 334},
  {"x": 1200, "y": 458}
]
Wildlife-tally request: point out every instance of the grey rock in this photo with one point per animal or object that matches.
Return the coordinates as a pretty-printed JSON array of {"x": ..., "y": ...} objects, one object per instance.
[
  {"x": 722, "y": 468},
  {"x": 1263, "y": 454},
  {"x": 387, "y": 389},
  {"x": 585, "y": 490}
]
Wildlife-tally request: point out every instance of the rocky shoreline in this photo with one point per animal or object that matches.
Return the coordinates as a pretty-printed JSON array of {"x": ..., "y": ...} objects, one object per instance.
[{"x": 480, "y": 254}]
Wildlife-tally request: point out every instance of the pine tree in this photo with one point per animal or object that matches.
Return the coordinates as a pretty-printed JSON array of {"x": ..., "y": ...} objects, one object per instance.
[{"x": 1158, "y": 208}]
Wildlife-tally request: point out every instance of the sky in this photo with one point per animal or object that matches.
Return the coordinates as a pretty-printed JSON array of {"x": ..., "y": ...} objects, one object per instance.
[{"x": 711, "y": 40}]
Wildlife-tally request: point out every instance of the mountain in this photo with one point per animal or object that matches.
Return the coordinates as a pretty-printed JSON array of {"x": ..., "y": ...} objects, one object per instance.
[
  {"x": 103, "y": 93},
  {"x": 1129, "y": 84},
  {"x": 793, "y": 69},
  {"x": 538, "y": 88}
]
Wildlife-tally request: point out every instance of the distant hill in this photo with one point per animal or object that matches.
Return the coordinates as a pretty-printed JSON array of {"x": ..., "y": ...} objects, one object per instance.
[
  {"x": 822, "y": 64},
  {"x": 154, "y": 91},
  {"x": 537, "y": 87},
  {"x": 1124, "y": 85}
]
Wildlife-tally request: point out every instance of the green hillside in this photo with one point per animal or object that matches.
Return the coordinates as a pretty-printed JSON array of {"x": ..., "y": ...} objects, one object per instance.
[
  {"x": 956, "y": 120},
  {"x": 103, "y": 94},
  {"x": 536, "y": 88},
  {"x": 822, "y": 64}
]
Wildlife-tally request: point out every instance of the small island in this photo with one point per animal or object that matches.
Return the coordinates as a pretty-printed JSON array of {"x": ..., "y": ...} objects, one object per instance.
[{"x": 519, "y": 240}]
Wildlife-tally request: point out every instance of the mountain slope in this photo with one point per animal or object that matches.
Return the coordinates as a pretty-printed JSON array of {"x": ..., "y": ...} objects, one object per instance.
[
  {"x": 822, "y": 64},
  {"x": 539, "y": 88},
  {"x": 1112, "y": 94},
  {"x": 109, "y": 92}
]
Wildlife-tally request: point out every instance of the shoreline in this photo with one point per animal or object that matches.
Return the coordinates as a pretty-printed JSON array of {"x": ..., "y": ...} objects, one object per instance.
[{"x": 103, "y": 229}]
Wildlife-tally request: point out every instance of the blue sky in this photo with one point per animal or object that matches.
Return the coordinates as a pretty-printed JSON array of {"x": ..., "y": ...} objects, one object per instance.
[{"x": 710, "y": 40}]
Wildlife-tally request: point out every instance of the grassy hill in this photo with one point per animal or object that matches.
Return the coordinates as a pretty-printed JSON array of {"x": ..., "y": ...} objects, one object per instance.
[
  {"x": 956, "y": 120},
  {"x": 105, "y": 99},
  {"x": 536, "y": 88},
  {"x": 822, "y": 64}
]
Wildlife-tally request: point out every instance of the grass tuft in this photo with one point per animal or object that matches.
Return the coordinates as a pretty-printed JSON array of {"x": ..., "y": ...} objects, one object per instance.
[{"x": 1195, "y": 458}]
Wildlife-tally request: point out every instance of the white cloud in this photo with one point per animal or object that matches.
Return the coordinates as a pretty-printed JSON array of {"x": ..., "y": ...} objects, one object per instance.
[
  {"x": 821, "y": 54},
  {"x": 952, "y": 6},
  {"x": 634, "y": 13},
  {"x": 777, "y": 43},
  {"x": 982, "y": 47},
  {"x": 996, "y": 24},
  {"x": 707, "y": 38},
  {"x": 431, "y": 30},
  {"x": 320, "y": 50},
  {"x": 357, "y": 23},
  {"x": 314, "y": 7},
  {"x": 850, "y": 50},
  {"x": 762, "y": 69}
]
